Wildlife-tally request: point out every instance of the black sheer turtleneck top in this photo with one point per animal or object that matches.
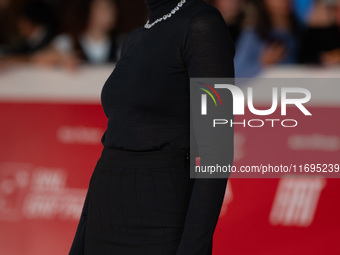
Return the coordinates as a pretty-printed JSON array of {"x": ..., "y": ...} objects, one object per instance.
[{"x": 146, "y": 97}]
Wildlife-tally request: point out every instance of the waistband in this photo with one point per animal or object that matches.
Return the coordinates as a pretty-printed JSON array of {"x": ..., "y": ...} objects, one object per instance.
[{"x": 144, "y": 159}]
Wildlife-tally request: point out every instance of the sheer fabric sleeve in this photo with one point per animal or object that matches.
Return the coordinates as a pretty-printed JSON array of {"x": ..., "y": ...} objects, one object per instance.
[{"x": 208, "y": 52}]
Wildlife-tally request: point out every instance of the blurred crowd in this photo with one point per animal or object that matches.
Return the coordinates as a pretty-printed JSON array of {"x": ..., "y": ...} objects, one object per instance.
[
  {"x": 265, "y": 32},
  {"x": 279, "y": 32},
  {"x": 85, "y": 33}
]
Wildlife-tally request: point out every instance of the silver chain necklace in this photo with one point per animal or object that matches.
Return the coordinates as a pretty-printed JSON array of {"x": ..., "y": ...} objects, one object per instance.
[{"x": 166, "y": 16}]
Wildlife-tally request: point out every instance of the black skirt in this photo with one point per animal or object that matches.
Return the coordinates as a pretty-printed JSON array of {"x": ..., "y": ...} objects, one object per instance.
[{"x": 136, "y": 204}]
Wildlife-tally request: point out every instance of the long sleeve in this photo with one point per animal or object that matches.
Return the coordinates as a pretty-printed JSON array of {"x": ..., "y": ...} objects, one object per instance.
[
  {"x": 208, "y": 52},
  {"x": 77, "y": 247}
]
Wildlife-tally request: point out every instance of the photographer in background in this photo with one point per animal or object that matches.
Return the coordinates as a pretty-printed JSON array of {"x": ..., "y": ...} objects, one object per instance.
[
  {"x": 273, "y": 39},
  {"x": 36, "y": 27},
  {"x": 321, "y": 40}
]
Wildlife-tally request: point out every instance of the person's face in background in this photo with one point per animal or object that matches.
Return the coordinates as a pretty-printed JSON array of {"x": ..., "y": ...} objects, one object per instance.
[
  {"x": 25, "y": 27},
  {"x": 278, "y": 8},
  {"x": 324, "y": 13},
  {"x": 4, "y": 4},
  {"x": 229, "y": 9},
  {"x": 338, "y": 13},
  {"x": 103, "y": 15}
]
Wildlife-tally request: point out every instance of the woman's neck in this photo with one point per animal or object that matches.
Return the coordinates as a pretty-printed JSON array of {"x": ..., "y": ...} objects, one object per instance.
[{"x": 158, "y": 8}]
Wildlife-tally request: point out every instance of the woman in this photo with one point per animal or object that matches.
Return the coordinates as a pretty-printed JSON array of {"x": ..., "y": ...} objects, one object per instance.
[
  {"x": 36, "y": 23},
  {"x": 273, "y": 39},
  {"x": 141, "y": 199},
  {"x": 92, "y": 35},
  {"x": 88, "y": 36}
]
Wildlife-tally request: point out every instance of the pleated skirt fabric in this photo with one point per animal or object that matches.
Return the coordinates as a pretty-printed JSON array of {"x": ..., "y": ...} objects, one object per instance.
[{"x": 137, "y": 203}]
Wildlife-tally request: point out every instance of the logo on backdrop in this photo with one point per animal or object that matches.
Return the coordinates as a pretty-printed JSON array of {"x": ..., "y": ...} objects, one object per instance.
[
  {"x": 35, "y": 192},
  {"x": 296, "y": 201}
]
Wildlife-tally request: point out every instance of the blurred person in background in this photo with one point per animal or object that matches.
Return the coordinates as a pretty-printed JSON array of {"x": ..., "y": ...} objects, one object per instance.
[
  {"x": 88, "y": 35},
  {"x": 233, "y": 14},
  {"x": 338, "y": 14},
  {"x": 272, "y": 40},
  {"x": 36, "y": 26},
  {"x": 302, "y": 10},
  {"x": 321, "y": 40},
  {"x": 5, "y": 30}
]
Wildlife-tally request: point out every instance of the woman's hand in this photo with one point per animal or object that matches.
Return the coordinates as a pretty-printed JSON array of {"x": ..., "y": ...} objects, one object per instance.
[{"x": 53, "y": 58}]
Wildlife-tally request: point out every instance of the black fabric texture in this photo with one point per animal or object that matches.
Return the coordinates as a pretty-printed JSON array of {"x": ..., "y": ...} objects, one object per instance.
[{"x": 146, "y": 100}]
